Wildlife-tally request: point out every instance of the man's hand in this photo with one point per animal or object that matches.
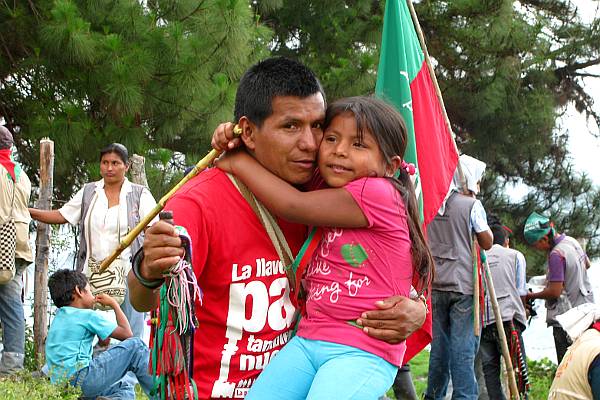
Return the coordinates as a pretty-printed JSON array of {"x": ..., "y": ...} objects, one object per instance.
[
  {"x": 396, "y": 319},
  {"x": 223, "y": 138},
  {"x": 162, "y": 249}
]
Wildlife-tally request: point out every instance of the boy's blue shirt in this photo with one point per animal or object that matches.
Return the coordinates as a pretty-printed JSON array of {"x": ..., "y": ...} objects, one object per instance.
[{"x": 70, "y": 338}]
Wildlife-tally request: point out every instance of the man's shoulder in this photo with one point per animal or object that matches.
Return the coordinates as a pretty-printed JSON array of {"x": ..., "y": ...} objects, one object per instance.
[{"x": 208, "y": 181}]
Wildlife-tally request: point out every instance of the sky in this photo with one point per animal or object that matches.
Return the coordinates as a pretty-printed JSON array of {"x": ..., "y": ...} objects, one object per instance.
[{"x": 583, "y": 146}]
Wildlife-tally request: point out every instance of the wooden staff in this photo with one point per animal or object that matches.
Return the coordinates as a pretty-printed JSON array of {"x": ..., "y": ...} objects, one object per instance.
[
  {"x": 128, "y": 239},
  {"x": 514, "y": 391}
]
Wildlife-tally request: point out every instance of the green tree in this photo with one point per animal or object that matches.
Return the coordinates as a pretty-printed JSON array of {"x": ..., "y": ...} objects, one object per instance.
[
  {"x": 151, "y": 75},
  {"x": 507, "y": 71}
]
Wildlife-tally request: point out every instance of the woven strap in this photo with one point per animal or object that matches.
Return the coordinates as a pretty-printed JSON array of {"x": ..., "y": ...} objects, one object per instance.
[{"x": 272, "y": 228}]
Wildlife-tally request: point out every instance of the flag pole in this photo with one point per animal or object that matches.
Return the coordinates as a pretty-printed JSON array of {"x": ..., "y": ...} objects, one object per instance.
[{"x": 488, "y": 277}]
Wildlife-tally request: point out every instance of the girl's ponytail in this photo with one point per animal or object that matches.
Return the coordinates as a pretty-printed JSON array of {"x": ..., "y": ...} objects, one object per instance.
[{"x": 423, "y": 264}]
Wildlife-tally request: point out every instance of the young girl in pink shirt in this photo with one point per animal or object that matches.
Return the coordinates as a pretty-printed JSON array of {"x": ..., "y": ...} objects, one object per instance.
[{"x": 372, "y": 244}]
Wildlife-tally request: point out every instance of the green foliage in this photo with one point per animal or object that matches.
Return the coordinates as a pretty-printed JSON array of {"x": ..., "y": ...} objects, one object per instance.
[
  {"x": 26, "y": 386},
  {"x": 506, "y": 69},
  {"x": 541, "y": 374},
  {"x": 87, "y": 73}
]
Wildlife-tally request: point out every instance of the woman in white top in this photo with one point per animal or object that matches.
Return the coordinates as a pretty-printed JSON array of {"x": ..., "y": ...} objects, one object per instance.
[{"x": 105, "y": 211}]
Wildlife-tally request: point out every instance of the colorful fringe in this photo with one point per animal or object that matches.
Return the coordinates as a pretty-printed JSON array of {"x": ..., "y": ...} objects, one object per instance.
[{"x": 172, "y": 334}]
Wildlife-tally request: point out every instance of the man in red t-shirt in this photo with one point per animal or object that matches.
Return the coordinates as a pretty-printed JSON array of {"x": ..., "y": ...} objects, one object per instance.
[{"x": 246, "y": 314}]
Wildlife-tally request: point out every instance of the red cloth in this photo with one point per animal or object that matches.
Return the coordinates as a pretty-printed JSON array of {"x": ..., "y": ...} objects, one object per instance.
[
  {"x": 596, "y": 325},
  {"x": 7, "y": 163},
  {"x": 246, "y": 315}
]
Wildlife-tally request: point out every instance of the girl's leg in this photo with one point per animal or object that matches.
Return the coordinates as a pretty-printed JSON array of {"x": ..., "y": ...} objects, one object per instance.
[
  {"x": 350, "y": 373},
  {"x": 288, "y": 375}
]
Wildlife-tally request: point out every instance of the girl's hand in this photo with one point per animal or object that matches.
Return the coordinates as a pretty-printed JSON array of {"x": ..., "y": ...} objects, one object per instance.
[
  {"x": 232, "y": 160},
  {"x": 223, "y": 138}
]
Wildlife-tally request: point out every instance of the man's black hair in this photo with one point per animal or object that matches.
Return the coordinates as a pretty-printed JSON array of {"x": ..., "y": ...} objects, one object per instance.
[
  {"x": 277, "y": 76},
  {"x": 62, "y": 285},
  {"x": 499, "y": 234}
]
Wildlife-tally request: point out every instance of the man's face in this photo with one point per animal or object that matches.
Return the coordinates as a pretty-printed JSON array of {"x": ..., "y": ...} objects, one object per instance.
[
  {"x": 288, "y": 140},
  {"x": 543, "y": 244}
]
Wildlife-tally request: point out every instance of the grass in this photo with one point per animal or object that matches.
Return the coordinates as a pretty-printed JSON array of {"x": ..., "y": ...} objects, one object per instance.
[{"x": 541, "y": 374}]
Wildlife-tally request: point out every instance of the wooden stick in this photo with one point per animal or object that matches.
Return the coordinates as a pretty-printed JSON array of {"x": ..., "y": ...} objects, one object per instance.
[
  {"x": 476, "y": 288},
  {"x": 514, "y": 391},
  {"x": 127, "y": 240}
]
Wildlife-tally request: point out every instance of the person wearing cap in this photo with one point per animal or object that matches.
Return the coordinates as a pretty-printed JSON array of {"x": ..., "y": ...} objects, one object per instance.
[
  {"x": 578, "y": 375},
  {"x": 507, "y": 269},
  {"x": 567, "y": 282},
  {"x": 15, "y": 190},
  {"x": 450, "y": 235}
]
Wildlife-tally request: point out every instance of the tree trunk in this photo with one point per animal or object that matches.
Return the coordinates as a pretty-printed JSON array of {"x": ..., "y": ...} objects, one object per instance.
[
  {"x": 138, "y": 170},
  {"x": 42, "y": 246}
]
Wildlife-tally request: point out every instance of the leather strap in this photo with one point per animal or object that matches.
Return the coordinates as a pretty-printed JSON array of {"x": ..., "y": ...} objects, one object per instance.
[{"x": 272, "y": 228}]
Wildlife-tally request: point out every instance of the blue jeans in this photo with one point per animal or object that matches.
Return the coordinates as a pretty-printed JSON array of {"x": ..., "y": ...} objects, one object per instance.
[
  {"x": 453, "y": 347},
  {"x": 137, "y": 321},
  {"x": 13, "y": 321},
  {"x": 315, "y": 369},
  {"x": 103, "y": 376}
]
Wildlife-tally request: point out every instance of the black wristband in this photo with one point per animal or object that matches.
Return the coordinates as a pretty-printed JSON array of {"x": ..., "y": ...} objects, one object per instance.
[{"x": 135, "y": 266}]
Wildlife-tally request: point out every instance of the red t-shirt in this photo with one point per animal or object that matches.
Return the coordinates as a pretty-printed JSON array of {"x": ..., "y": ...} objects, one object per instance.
[{"x": 246, "y": 315}]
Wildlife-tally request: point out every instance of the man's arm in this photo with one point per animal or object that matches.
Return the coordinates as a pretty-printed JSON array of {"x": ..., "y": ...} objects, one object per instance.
[
  {"x": 396, "y": 318},
  {"x": 551, "y": 291},
  {"x": 484, "y": 235}
]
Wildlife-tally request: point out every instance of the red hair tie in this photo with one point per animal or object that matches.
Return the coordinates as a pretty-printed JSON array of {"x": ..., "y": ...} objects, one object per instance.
[{"x": 408, "y": 167}]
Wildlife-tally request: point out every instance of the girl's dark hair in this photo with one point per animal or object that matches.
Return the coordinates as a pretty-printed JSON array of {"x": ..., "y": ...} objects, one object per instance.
[
  {"x": 388, "y": 128},
  {"x": 118, "y": 149},
  {"x": 62, "y": 285}
]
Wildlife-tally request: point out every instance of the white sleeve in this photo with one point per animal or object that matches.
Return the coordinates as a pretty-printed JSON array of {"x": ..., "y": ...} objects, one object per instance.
[
  {"x": 72, "y": 210},
  {"x": 521, "y": 274},
  {"x": 147, "y": 203},
  {"x": 479, "y": 218}
]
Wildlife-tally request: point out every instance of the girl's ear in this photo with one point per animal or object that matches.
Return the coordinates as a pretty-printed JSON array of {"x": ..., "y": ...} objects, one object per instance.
[
  {"x": 393, "y": 166},
  {"x": 248, "y": 132},
  {"x": 77, "y": 292}
]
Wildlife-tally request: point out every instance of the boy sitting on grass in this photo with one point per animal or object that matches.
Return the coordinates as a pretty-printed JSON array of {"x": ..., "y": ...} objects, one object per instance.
[{"x": 69, "y": 342}]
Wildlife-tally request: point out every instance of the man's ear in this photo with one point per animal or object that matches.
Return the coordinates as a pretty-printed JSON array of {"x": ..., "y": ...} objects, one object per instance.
[{"x": 248, "y": 132}]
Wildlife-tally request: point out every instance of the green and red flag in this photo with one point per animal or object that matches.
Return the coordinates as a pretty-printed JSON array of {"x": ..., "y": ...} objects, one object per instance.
[{"x": 403, "y": 80}]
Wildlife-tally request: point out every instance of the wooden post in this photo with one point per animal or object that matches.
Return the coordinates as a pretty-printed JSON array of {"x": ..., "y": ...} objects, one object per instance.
[
  {"x": 512, "y": 382},
  {"x": 138, "y": 170},
  {"x": 42, "y": 249}
]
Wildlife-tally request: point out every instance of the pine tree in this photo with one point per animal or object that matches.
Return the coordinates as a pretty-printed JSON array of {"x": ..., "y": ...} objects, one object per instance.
[{"x": 151, "y": 75}]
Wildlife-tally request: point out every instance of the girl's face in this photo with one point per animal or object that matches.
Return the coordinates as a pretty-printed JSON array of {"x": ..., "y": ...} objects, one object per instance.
[
  {"x": 112, "y": 168},
  {"x": 343, "y": 157}
]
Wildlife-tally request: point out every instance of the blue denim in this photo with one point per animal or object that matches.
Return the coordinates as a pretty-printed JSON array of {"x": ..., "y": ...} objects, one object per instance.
[
  {"x": 103, "y": 377},
  {"x": 137, "y": 321},
  {"x": 13, "y": 321},
  {"x": 315, "y": 369},
  {"x": 453, "y": 347}
]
